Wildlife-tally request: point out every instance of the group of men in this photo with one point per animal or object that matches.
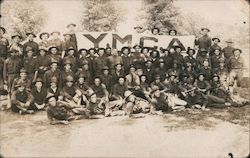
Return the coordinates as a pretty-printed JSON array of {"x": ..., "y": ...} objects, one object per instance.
[{"x": 73, "y": 82}]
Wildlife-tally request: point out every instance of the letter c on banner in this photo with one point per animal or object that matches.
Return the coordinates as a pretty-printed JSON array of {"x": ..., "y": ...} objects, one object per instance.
[{"x": 142, "y": 39}]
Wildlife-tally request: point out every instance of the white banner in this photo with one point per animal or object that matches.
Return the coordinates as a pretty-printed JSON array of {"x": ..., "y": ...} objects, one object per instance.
[{"x": 89, "y": 40}]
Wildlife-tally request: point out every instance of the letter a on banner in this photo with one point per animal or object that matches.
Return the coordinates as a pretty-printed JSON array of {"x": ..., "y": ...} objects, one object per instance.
[{"x": 176, "y": 40}]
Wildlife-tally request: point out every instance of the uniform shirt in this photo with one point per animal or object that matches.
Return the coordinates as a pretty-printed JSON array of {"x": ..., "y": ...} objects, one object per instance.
[
  {"x": 59, "y": 112},
  {"x": 202, "y": 84},
  {"x": 215, "y": 61},
  {"x": 18, "y": 97},
  {"x": 67, "y": 44},
  {"x": 39, "y": 97},
  {"x": 221, "y": 71},
  {"x": 113, "y": 60},
  {"x": 127, "y": 61},
  {"x": 17, "y": 46},
  {"x": 204, "y": 42},
  {"x": 72, "y": 59},
  {"x": 179, "y": 58},
  {"x": 55, "y": 91},
  {"x": 69, "y": 92},
  {"x": 190, "y": 59},
  {"x": 87, "y": 75},
  {"x": 228, "y": 51},
  {"x": 162, "y": 72},
  {"x": 4, "y": 43},
  {"x": 200, "y": 59},
  {"x": 132, "y": 80},
  {"x": 99, "y": 90},
  {"x": 64, "y": 74},
  {"x": 12, "y": 65},
  {"x": 115, "y": 75},
  {"x": 56, "y": 42},
  {"x": 91, "y": 61},
  {"x": 119, "y": 90},
  {"x": 31, "y": 44},
  {"x": 149, "y": 73},
  {"x": 207, "y": 71},
  {"x": 44, "y": 44},
  {"x": 49, "y": 74},
  {"x": 107, "y": 81},
  {"x": 97, "y": 108},
  {"x": 30, "y": 65},
  {"x": 99, "y": 63},
  {"x": 236, "y": 63},
  {"x": 159, "y": 85},
  {"x": 212, "y": 49},
  {"x": 43, "y": 61},
  {"x": 82, "y": 87},
  {"x": 168, "y": 61},
  {"x": 56, "y": 58}
]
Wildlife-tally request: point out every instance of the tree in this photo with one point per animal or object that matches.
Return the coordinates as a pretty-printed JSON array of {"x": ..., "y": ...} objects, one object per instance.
[
  {"x": 21, "y": 16},
  {"x": 100, "y": 15},
  {"x": 159, "y": 13}
]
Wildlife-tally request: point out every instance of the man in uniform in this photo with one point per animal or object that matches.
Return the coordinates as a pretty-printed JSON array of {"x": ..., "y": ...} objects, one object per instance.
[
  {"x": 71, "y": 57},
  {"x": 56, "y": 41},
  {"x": 53, "y": 72},
  {"x": 16, "y": 45},
  {"x": 155, "y": 31},
  {"x": 43, "y": 61},
  {"x": 44, "y": 36},
  {"x": 204, "y": 42},
  {"x": 39, "y": 93},
  {"x": 100, "y": 62},
  {"x": 132, "y": 79},
  {"x": 215, "y": 45},
  {"x": 228, "y": 50},
  {"x": 100, "y": 89},
  {"x": 12, "y": 66},
  {"x": 30, "y": 64},
  {"x": 114, "y": 59},
  {"x": 67, "y": 43},
  {"x": 30, "y": 43},
  {"x": 71, "y": 28},
  {"x": 4, "y": 43}
]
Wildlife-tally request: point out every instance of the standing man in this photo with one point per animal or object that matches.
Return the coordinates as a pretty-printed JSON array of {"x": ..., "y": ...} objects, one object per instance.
[
  {"x": 56, "y": 41},
  {"x": 4, "y": 43},
  {"x": 71, "y": 27},
  {"x": 228, "y": 50},
  {"x": 12, "y": 66},
  {"x": 44, "y": 36},
  {"x": 204, "y": 42},
  {"x": 16, "y": 45},
  {"x": 30, "y": 43}
]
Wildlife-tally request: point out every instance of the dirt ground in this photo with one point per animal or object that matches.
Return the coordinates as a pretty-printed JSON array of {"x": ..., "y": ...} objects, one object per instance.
[{"x": 190, "y": 133}]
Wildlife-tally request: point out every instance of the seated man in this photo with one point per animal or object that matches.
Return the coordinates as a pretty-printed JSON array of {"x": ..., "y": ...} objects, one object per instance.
[
  {"x": 132, "y": 79},
  {"x": 4, "y": 98},
  {"x": 160, "y": 102},
  {"x": 100, "y": 89},
  {"x": 119, "y": 89},
  {"x": 73, "y": 96},
  {"x": 21, "y": 99},
  {"x": 39, "y": 94},
  {"x": 134, "y": 106},
  {"x": 59, "y": 112},
  {"x": 53, "y": 89},
  {"x": 201, "y": 84}
]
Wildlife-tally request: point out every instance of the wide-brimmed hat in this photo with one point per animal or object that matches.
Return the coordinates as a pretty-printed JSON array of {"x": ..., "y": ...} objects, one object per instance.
[
  {"x": 57, "y": 32},
  {"x": 53, "y": 46},
  {"x": 215, "y": 39},
  {"x": 157, "y": 53},
  {"x": 31, "y": 33},
  {"x": 82, "y": 49},
  {"x": 236, "y": 50},
  {"x": 16, "y": 35},
  {"x": 69, "y": 79},
  {"x": 136, "y": 45},
  {"x": 205, "y": 28},
  {"x": 71, "y": 24},
  {"x": 128, "y": 48},
  {"x": 43, "y": 33},
  {"x": 23, "y": 71},
  {"x": 38, "y": 80},
  {"x": 42, "y": 48},
  {"x": 155, "y": 28},
  {"x": 172, "y": 30},
  {"x": 2, "y": 28},
  {"x": 190, "y": 49}
]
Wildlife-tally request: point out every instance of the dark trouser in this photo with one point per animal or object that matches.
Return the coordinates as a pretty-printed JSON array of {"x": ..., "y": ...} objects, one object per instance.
[
  {"x": 215, "y": 102},
  {"x": 10, "y": 80}
]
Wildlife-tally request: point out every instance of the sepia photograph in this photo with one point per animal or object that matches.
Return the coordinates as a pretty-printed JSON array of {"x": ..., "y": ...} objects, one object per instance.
[{"x": 125, "y": 78}]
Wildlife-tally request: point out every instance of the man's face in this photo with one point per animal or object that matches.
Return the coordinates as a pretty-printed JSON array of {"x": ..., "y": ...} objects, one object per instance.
[
  {"x": 23, "y": 75},
  {"x": 172, "y": 51},
  {"x": 53, "y": 50},
  {"x": 132, "y": 70},
  {"x": 45, "y": 37},
  {"x": 53, "y": 85},
  {"x": 145, "y": 51},
  {"x": 229, "y": 44},
  {"x": 216, "y": 41},
  {"x": 157, "y": 80},
  {"x": 201, "y": 77},
  {"x": 205, "y": 63},
  {"x": 137, "y": 49},
  {"x": 83, "y": 53},
  {"x": 204, "y": 32},
  {"x": 85, "y": 66},
  {"x": 155, "y": 32},
  {"x": 125, "y": 52},
  {"x": 178, "y": 50},
  {"x": 30, "y": 37},
  {"x": 215, "y": 79},
  {"x": 38, "y": 85},
  {"x": 162, "y": 65},
  {"x": 17, "y": 39},
  {"x": 92, "y": 53},
  {"x": 71, "y": 28},
  {"x": 149, "y": 64},
  {"x": 217, "y": 52},
  {"x": 69, "y": 83},
  {"x": 21, "y": 88},
  {"x": 172, "y": 33},
  {"x": 71, "y": 52},
  {"x": 118, "y": 67},
  {"x": 67, "y": 37},
  {"x": 237, "y": 53},
  {"x": 67, "y": 67},
  {"x": 97, "y": 81},
  {"x": 157, "y": 93},
  {"x": 29, "y": 53},
  {"x": 93, "y": 98},
  {"x": 42, "y": 52},
  {"x": 53, "y": 66},
  {"x": 139, "y": 71},
  {"x": 101, "y": 52},
  {"x": 131, "y": 98},
  {"x": 143, "y": 78},
  {"x": 52, "y": 101},
  {"x": 121, "y": 81},
  {"x": 114, "y": 52},
  {"x": 81, "y": 80},
  {"x": 106, "y": 72}
]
